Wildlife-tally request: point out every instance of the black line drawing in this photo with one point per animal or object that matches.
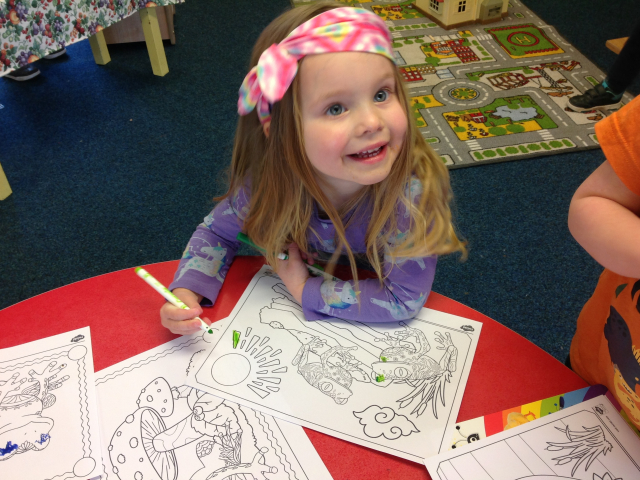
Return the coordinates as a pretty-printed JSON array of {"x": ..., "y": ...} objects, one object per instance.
[
  {"x": 34, "y": 390},
  {"x": 173, "y": 431},
  {"x": 21, "y": 408},
  {"x": 321, "y": 360},
  {"x": 473, "y": 437},
  {"x": 383, "y": 421},
  {"x": 404, "y": 361},
  {"x": 585, "y": 446},
  {"x": 332, "y": 376},
  {"x": 143, "y": 446},
  {"x": 606, "y": 476},
  {"x": 408, "y": 362},
  {"x": 234, "y": 368},
  {"x": 536, "y": 450},
  {"x": 231, "y": 369},
  {"x": 336, "y": 363}
]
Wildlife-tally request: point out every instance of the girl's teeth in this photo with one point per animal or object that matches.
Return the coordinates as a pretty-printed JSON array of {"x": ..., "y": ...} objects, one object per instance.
[{"x": 369, "y": 153}]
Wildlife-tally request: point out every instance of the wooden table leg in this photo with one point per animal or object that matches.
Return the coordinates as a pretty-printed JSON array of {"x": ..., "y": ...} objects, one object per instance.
[
  {"x": 152, "y": 36},
  {"x": 99, "y": 48},
  {"x": 5, "y": 189}
]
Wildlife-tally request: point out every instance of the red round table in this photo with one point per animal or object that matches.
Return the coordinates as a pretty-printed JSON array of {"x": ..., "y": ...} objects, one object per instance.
[{"x": 122, "y": 312}]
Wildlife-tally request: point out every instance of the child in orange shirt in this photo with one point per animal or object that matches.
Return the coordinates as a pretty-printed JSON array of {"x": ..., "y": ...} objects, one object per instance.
[{"x": 604, "y": 219}]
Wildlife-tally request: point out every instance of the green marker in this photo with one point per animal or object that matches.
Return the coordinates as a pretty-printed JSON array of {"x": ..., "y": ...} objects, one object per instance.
[
  {"x": 316, "y": 268},
  {"x": 379, "y": 378},
  {"x": 166, "y": 293},
  {"x": 236, "y": 338}
]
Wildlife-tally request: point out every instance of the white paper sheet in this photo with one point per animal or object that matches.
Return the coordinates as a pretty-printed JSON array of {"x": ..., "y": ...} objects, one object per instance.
[
  {"x": 154, "y": 427},
  {"x": 589, "y": 441},
  {"x": 48, "y": 415},
  {"x": 394, "y": 387}
]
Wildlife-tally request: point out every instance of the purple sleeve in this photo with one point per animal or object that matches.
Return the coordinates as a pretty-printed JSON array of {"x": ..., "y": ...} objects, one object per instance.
[
  {"x": 210, "y": 252},
  {"x": 401, "y": 296}
]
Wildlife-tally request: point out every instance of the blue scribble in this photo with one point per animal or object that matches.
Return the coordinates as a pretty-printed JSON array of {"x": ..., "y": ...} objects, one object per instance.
[
  {"x": 10, "y": 448},
  {"x": 43, "y": 438}
]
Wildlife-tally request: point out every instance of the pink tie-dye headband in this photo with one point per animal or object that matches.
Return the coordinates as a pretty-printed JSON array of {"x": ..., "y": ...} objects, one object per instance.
[{"x": 339, "y": 30}]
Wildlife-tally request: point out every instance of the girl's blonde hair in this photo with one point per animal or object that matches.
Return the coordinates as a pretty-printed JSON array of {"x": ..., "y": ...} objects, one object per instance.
[{"x": 284, "y": 186}]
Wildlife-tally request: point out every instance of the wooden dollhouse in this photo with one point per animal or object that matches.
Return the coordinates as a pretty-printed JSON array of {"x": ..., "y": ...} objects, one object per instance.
[{"x": 456, "y": 13}]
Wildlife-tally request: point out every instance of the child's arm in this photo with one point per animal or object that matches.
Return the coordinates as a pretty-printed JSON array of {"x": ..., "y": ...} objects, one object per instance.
[
  {"x": 603, "y": 218},
  {"x": 402, "y": 294},
  {"x": 205, "y": 263}
]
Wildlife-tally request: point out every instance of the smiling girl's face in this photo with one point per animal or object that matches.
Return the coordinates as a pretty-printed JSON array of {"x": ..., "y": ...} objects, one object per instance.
[{"x": 354, "y": 123}]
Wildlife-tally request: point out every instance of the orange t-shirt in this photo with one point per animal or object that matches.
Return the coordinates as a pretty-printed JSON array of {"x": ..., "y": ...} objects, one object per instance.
[{"x": 606, "y": 346}]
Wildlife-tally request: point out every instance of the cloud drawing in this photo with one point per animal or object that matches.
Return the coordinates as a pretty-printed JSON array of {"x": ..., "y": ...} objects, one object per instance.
[{"x": 383, "y": 421}]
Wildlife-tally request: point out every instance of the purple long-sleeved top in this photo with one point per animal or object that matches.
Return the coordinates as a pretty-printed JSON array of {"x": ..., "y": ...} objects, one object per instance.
[{"x": 213, "y": 246}]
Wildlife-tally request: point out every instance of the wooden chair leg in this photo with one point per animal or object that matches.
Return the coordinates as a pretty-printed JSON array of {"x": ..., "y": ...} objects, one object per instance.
[
  {"x": 153, "y": 37},
  {"x": 5, "y": 189},
  {"x": 99, "y": 48}
]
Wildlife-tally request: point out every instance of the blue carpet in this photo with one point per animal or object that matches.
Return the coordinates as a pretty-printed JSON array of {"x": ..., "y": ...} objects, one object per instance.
[{"x": 112, "y": 167}]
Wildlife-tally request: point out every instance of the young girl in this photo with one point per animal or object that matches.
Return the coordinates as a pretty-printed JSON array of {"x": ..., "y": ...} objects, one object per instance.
[{"x": 327, "y": 160}]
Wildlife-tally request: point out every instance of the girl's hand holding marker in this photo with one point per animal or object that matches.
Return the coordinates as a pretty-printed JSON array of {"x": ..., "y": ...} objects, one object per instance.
[{"x": 182, "y": 314}]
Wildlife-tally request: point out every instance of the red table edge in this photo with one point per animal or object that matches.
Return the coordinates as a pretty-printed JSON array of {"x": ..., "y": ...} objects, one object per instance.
[{"x": 434, "y": 301}]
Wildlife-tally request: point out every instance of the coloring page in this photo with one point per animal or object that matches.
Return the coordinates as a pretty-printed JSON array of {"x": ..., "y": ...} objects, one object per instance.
[
  {"x": 48, "y": 415},
  {"x": 589, "y": 441},
  {"x": 393, "y": 387},
  {"x": 154, "y": 427}
]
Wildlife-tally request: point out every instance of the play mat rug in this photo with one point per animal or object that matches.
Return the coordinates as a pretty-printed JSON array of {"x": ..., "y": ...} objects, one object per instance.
[{"x": 494, "y": 92}]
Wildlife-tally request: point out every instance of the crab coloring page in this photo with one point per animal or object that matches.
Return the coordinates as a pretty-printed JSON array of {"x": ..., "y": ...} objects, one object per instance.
[
  {"x": 48, "y": 414},
  {"x": 589, "y": 441},
  {"x": 394, "y": 387},
  {"x": 154, "y": 427}
]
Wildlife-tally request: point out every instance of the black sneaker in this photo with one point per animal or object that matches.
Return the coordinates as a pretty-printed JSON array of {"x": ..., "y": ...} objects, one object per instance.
[
  {"x": 55, "y": 54},
  {"x": 595, "y": 97},
  {"x": 22, "y": 74}
]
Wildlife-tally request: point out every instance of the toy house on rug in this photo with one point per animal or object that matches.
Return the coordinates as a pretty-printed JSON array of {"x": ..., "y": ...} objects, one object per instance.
[{"x": 455, "y": 13}]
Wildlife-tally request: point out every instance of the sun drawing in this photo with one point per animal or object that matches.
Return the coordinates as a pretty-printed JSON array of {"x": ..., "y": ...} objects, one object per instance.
[{"x": 254, "y": 362}]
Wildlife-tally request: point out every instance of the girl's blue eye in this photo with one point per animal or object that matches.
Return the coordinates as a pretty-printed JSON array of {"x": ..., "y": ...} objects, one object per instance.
[
  {"x": 381, "y": 96},
  {"x": 335, "y": 110}
]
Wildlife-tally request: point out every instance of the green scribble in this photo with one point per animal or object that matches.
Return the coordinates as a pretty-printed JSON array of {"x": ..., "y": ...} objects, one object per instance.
[
  {"x": 379, "y": 378},
  {"x": 384, "y": 359},
  {"x": 236, "y": 338}
]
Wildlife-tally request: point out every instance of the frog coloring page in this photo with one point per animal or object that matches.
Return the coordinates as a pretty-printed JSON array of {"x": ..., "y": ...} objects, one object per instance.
[
  {"x": 394, "y": 387},
  {"x": 588, "y": 441},
  {"x": 158, "y": 428},
  {"x": 48, "y": 413}
]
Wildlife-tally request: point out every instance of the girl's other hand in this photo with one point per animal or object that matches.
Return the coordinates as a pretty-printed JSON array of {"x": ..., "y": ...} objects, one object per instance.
[
  {"x": 293, "y": 271},
  {"x": 179, "y": 320}
]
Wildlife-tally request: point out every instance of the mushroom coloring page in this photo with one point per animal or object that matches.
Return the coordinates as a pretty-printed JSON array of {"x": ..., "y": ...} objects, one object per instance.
[
  {"x": 589, "y": 441},
  {"x": 394, "y": 387},
  {"x": 48, "y": 414},
  {"x": 154, "y": 427}
]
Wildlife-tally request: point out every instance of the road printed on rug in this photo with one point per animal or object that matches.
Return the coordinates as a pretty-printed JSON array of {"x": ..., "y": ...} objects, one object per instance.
[{"x": 493, "y": 92}]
